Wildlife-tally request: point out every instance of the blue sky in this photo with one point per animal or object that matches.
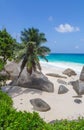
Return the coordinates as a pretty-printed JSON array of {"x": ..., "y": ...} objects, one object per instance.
[{"x": 62, "y": 21}]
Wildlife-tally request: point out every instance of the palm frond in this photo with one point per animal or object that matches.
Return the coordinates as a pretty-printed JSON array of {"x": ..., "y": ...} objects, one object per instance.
[
  {"x": 44, "y": 57},
  {"x": 43, "y": 50}
]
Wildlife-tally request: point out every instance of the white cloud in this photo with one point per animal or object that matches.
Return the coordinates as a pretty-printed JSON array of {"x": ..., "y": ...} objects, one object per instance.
[
  {"x": 50, "y": 18},
  {"x": 63, "y": 28}
]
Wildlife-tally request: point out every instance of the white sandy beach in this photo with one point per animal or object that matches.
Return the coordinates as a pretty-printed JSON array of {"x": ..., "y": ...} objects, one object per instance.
[{"x": 62, "y": 105}]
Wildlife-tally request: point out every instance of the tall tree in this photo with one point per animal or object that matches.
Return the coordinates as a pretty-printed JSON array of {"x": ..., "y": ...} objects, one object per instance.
[
  {"x": 6, "y": 45},
  {"x": 34, "y": 35}
]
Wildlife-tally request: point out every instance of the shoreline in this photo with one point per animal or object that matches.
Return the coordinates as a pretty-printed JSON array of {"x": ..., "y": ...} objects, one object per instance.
[{"x": 62, "y": 66}]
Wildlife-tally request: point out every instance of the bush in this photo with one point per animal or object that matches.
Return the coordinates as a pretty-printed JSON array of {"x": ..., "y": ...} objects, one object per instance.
[
  {"x": 69, "y": 125},
  {"x": 5, "y": 99},
  {"x": 2, "y": 78},
  {"x": 10, "y": 119}
]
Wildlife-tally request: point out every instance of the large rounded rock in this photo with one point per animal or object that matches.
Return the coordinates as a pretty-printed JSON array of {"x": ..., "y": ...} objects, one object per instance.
[
  {"x": 75, "y": 85},
  {"x": 13, "y": 69},
  {"x": 78, "y": 86},
  {"x": 39, "y": 105},
  {"x": 62, "y": 89},
  {"x": 82, "y": 74},
  {"x": 36, "y": 81},
  {"x": 69, "y": 72}
]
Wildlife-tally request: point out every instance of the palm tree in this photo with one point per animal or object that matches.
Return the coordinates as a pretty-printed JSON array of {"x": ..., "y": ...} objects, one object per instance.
[
  {"x": 30, "y": 59},
  {"x": 32, "y": 40},
  {"x": 34, "y": 35}
]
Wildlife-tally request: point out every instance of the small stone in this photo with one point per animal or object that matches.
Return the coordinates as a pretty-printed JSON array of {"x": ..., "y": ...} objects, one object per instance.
[
  {"x": 77, "y": 101},
  {"x": 62, "y": 89}
]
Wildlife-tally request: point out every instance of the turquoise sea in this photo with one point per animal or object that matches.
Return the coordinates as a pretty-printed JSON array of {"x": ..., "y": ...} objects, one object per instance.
[{"x": 74, "y": 61}]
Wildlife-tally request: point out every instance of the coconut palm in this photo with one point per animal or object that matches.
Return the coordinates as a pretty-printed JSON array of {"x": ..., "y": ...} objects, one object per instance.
[
  {"x": 34, "y": 35},
  {"x": 30, "y": 59},
  {"x": 33, "y": 41}
]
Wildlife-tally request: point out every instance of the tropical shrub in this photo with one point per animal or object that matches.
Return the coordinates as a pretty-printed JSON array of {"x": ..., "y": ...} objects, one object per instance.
[{"x": 10, "y": 119}]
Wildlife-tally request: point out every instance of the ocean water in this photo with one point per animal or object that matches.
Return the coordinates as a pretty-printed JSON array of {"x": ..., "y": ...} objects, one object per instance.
[{"x": 73, "y": 61}]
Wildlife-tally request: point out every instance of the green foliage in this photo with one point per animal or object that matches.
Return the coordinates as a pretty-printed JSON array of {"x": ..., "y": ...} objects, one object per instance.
[
  {"x": 1, "y": 64},
  {"x": 33, "y": 35},
  {"x": 2, "y": 78},
  {"x": 10, "y": 119},
  {"x": 5, "y": 98},
  {"x": 32, "y": 39},
  {"x": 19, "y": 50},
  {"x": 6, "y": 45},
  {"x": 30, "y": 60},
  {"x": 69, "y": 125}
]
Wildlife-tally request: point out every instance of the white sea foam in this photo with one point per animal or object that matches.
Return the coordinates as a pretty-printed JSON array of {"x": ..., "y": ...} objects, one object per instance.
[{"x": 64, "y": 65}]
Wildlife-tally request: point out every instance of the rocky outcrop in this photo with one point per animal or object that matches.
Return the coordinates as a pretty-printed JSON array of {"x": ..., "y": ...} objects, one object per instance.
[
  {"x": 36, "y": 81},
  {"x": 82, "y": 74},
  {"x": 78, "y": 86},
  {"x": 69, "y": 72},
  {"x": 13, "y": 69},
  {"x": 55, "y": 75},
  {"x": 39, "y": 105},
  {"x": 62, "y": 89}
]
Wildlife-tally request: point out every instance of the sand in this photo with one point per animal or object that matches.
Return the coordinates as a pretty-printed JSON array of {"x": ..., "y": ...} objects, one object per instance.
[{"x": 62, "y": 105}]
